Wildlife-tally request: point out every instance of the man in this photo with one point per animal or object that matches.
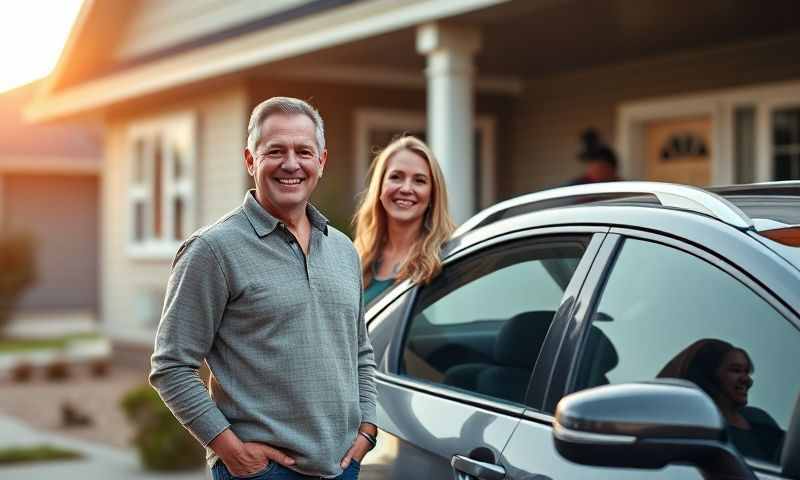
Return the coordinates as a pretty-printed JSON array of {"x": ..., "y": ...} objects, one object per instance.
[
  {"x": 270, "y": 297},
  {"x": 600, "y": 160}
]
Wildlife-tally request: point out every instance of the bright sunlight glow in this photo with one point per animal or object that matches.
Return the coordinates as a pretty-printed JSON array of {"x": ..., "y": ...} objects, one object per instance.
[{"x": 32, "y": 35}]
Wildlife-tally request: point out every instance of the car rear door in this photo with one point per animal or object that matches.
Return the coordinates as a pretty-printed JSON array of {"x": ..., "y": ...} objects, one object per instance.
[
  {"x": 453, "y": 381},
  {"x": 650, "y": 304}
]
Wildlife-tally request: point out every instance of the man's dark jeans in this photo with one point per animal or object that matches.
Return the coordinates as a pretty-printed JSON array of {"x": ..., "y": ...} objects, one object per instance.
[{"x": 278, "y": 472}]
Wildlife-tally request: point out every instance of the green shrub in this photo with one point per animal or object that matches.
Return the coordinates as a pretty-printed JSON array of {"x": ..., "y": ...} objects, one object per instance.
[
  {"x": 17, "y": 272},
  {"x": 162, "y": 443}
]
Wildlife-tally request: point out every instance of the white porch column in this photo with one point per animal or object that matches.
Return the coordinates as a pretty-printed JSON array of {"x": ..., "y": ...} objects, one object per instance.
[{"x": 450, "y": 73}]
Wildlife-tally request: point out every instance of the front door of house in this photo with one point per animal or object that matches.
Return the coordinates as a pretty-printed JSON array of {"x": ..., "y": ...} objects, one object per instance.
[{"x": 679, "y": 150}]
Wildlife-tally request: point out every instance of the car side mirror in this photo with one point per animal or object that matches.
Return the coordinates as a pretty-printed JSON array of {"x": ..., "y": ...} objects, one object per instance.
[{"x": 646, "y": 425}]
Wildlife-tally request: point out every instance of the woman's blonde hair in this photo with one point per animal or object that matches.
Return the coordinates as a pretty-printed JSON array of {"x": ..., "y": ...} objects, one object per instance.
[{"x": 423, "y": 262}]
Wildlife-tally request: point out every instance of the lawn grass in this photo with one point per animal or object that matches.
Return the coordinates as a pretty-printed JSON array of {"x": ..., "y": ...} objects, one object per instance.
[
  {"x": 17, "y": 345},
  {"x": 36, "y": 453}
]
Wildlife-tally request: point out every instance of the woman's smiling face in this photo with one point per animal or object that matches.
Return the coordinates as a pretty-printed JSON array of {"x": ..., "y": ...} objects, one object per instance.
[
  {"x": 406, "y": 188},
  {"x": 734, "y": 377}
]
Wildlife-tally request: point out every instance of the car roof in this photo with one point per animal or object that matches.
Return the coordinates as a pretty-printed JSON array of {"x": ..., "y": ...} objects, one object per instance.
[
  {"x": 676, "y": 222},
  {"x": 759, "y": 206},
  {"x": 648, "y": 194},
  {"x": 709, "y": 218}
]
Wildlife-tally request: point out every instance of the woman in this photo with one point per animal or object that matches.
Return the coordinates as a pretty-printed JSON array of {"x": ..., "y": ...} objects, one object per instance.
[
  {"x": 724, "y": 372},
  {"x": 403, "y": 220}
]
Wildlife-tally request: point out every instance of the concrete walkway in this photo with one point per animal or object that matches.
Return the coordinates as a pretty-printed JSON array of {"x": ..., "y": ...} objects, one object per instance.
[{"x": 99, "y": 461}]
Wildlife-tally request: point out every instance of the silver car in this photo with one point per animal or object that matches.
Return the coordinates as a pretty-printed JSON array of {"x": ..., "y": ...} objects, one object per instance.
[{"x": 612, "y": 331}]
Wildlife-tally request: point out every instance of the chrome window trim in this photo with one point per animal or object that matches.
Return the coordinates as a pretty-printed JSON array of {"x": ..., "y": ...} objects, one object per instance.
[
  {"x": 576, "y": 436},
  {"x": 461, "y": 396}
]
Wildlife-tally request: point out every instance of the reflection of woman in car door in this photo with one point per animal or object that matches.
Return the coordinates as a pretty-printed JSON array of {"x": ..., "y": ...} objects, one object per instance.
[
  {"x": 724, "y": 372},
  {"x": 402, "y": 221}
]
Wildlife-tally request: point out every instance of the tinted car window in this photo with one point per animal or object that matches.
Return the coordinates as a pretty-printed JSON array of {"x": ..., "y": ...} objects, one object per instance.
[
  {"x": 666, "y": 313},
  {"x": 480, "y": 324}
]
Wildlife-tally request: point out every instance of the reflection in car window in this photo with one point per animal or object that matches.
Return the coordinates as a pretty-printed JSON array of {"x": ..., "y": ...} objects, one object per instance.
[
  {"x": 666, "y": 313},
  {"x": 512, "y": 285},
  {"x": 480, "y": 324}
]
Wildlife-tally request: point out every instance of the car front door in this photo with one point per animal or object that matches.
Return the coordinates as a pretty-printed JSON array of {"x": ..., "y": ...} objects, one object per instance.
[
  {"x": 454, "y": 380},
  {"x": 656, "y": 307}
]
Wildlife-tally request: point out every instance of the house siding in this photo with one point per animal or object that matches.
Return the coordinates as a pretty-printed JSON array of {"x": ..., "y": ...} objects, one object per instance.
[
  {"x": 223, "y": 134},
  {"x": 554, "y": 110},
  {"x": 60, "y": 214},
  {"x": 133, "y": 287}
]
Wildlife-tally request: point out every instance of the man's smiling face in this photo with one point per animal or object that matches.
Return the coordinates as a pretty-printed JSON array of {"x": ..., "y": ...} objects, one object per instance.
[{"x": 286, "y": 165}]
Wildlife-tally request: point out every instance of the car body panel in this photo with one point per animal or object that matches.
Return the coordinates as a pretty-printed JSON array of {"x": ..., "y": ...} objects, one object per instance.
[{"x": 422, "y": 430}]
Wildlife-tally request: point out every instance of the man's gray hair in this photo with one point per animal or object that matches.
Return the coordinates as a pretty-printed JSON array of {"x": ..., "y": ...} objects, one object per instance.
[{"x": 286, "y": 106}]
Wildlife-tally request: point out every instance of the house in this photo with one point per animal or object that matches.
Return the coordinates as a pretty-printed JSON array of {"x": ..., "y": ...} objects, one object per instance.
[
  {"x": 701, "y": 91},
  {"x": 49, "y": 189}
]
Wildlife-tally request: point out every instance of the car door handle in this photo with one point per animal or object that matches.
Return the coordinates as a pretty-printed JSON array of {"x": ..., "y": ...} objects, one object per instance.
[{"x": 466, "y": 468}]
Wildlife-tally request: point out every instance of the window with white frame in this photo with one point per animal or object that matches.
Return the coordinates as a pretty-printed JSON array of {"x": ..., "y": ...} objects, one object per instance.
[
  {"x": 161, "y": 184},
  {"x": 786, "y": 143},
  {"x": 778, "y": 133},
  {"x": 755, "y": 131}
]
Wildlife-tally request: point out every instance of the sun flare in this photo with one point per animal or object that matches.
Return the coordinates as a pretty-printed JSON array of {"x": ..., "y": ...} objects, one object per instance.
[{"x": 32, "y": 35}]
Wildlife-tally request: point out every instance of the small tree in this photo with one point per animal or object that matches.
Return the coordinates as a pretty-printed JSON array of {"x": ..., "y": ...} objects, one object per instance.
[{"x": 17, "y": 272}]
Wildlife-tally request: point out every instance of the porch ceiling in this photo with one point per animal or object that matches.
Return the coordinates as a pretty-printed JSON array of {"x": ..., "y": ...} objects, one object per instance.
[{"x": 529, "y": 38}]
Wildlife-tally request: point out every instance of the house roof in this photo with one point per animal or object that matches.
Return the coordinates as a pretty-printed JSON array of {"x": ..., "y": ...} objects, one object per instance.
[
  {"x": 227, "y": 31},
  {"x": 23, "y": 144},
  {"x": 91, "y": 76}
]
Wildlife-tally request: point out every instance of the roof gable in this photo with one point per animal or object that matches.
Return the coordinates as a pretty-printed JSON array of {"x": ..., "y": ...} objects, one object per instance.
[
  {"x": 94, "y": 72},
  {"x": 96, "y": 30},
  {"x": 105, "y": 41}
]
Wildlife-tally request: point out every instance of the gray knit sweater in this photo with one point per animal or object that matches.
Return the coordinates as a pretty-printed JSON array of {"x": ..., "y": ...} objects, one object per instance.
[{"x": 283, "y": 335}]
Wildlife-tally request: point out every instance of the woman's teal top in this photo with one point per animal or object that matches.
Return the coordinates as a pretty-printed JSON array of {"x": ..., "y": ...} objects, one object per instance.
[{"x": 376, "y": 288}]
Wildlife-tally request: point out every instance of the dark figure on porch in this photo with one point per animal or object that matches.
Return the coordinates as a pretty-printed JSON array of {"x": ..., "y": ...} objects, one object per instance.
[{"x": 599, "y": 158}]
